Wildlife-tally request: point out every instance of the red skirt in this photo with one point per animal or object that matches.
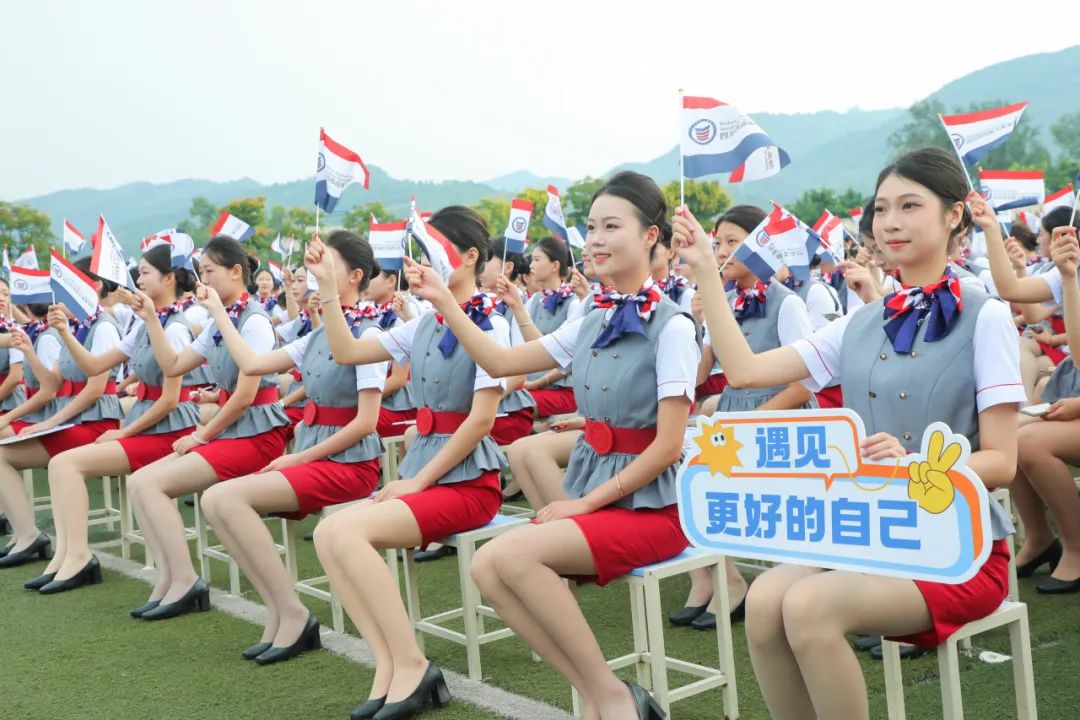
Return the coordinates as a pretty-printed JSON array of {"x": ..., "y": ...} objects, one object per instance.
[
  {"x": 295, "y": 414},
  {"x": 713, "y": 385},
  {"x": 621, "y": 539},
  {"x": 442, "y": 510},
  {"x": 82, "y": 434},
  {"x": 1056, "y": 354},
  {"x": 830, "y": 397},
  {"x": 234, "y": 457},
  {"x": 388, "y": 426},
  {"x": 554, "y": 401},
  {"x": 512, "y": 426},
  {"x": 141, "y": 450},
  {"x": 953, "y": 606},
  {"x": 325, "y": 482}
]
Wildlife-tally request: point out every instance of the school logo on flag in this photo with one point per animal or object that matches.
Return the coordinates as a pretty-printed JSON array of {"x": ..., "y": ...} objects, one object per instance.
[
  {"x": 703, "y": 131},
  {"x": 337, "y": 168},
  {"x": 718, "y": 138},
  {"x": 72, "y": 288},
  {"x": 1012, "y": 189},
  {"x": 517, "y": 228},
  {"x": 781, "y": 239},
  {"x": 30, "y": 286},
  {"x": 28, "y": 259}
]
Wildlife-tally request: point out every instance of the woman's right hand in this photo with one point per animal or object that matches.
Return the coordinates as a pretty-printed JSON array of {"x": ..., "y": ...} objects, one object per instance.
[
  {"x": 697, "y": 308},
  {"x": 507, "y": 292},
  {"x": 1016, "y": 253},
  {"x": 209, "y": 299},
  {"x": 692, "y": 242},
  {"x": 1064, "y": 250},
  {"x": 320, "y": 263},
  {"x": 402, "y": 307},
  {"x": 143, "y": 306},
  {"x": 580, "y": 284},
  {"x": 20, "y": 340},
  {"x": 57, "y": 319},
  {"x": 426, "y": 284}
]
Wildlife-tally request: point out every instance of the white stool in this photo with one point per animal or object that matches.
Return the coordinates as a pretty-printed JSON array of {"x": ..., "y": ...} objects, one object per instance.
[
  {"x": 472, "y": 611},
  {"x": 649, "y": 657},
  {"x": 389, "y": 461},
  {"x": 109, "y": 514},
  {"x": 207, "y": 552},
  {"x": 1012, "y": 614}
]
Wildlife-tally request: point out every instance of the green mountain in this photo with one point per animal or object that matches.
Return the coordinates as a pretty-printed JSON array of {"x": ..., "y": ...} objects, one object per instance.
[{"x": 827, "y": 149}]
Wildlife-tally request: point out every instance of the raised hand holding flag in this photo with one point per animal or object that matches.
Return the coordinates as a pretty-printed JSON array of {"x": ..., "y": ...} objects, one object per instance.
[{"x": 719, "y": 138}]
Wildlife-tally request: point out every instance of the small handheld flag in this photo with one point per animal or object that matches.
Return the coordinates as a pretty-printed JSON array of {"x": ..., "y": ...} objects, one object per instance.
[
  {"x": 975, "y": 134},
  {"x": 387, "y": 241},
  {"x": 30, "y": 286},
  {"x": 336, "y": 169},
  {"x": 517, "y": 228},
  {"x": 1012, "y": 189},
  {"x": 781, "y": 239},
  {"x": 275, "y": 270},
  {"x": 440, "y": 252},
  {"x": 28, "y": 259},
  {"x": 719, "y": 138},
  {"x": 232, "y": 226},
  {"x": 577, "y": 236},
  {"x": 182, "y": 248},
  {"x": 72, "y": 288},
  {"x": 553, "y": 215},
  {"x": 831, "y": 230},
  {"x": 1061, "y": 198},
  {"x": 108, "y": 261},
  {"x": 73, "y": 239},
  {"x": 161, "y": 237}
]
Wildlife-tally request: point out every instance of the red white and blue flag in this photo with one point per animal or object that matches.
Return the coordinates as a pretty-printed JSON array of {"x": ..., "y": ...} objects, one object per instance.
[
  {"x": 232, "y": 226},
  {"x": 337, "y": 168},
  {"x": 440, "y": 252},
  {"x": 553, "y": 215},
  {"x": 72, "y": 288},
  {"x": 30, "y": 286},
  {"x": 275, "y": 270},
  {"x": 977, "y": 133},
  {"x": 28, "y": 259},
  {"x": 161, "y": 237},
  {"x": 1030, "y": 219},
  {"x": 781, "y": 239},
  {"x": 517, "y": 228},
  {"x": 73, "y": 239},
  {"x": 1012, "y": 189},
  {"x": 719, "y": 138},
  {"x": 387, "y": 241},
  {"x": 1062, "y": 198},
  {"x": 108, "y": 261},
  {"x": 577, "y": 236},
  {"x": 831, "y": 230}
]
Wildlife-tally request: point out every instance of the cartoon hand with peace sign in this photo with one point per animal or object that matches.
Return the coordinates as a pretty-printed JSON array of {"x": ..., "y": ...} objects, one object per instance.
[{"x": 929, "y": 483}]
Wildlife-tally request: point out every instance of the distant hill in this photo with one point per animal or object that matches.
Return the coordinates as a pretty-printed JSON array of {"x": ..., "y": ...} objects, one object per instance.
[{"x": 827, "y": 149}]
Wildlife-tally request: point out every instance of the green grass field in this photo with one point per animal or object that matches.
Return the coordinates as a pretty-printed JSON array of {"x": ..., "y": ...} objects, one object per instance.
[{"x": 79, "y": 655}]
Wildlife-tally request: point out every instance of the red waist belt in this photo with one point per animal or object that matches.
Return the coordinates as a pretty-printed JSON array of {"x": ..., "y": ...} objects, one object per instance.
[
  {"x": 327, "y": 415},
  {"x": 153, "y": 392},
  {"x": 263, "y": 396},
  {"x": 428, "y": 421},
  {"x": 69, "y": 388},
  {"x": 606, "y": 439}
]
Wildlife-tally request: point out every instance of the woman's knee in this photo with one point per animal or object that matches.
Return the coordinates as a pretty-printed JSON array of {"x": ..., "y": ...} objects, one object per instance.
[
  {"x": 809, "y": 616},
  {"x": 764, "y": 609},
  {"x": 214, "y": 502},
  {"x": 484, "y": 571},
  {"x": 334, "y": 536}
]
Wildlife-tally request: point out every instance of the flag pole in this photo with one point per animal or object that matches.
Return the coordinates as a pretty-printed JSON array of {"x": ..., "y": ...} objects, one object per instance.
[
  {"x": 682, "y": 175},
  {"x": 963, "y": 165},
  {"x": 317, "y": 219}
]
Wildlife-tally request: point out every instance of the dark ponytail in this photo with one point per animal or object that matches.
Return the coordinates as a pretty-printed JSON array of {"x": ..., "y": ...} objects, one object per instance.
[
  {"x": 357, "y": 254},
  {"x": 107, "y": 286}
]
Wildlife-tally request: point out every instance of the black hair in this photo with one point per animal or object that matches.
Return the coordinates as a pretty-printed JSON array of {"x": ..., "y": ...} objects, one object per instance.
[
  {"x": 866, "y": 220},
  {"x": 644, "y": 194},
  {"x": 107, "y": 286},
  {"x": 266, "y": 270},
  {"x": 4, "y": 281},
  {"x": 160, "y": 258},
  {"x": 556, "y": 251},
  {"x": 466, "y": 230},
  {"x": 938, "y": 171},
  {"x": 519, "y": 263},
  {"x": 746, "y": 217},
  {"x": 356, "y": 252},
  {"x": 1025, "y": 236},
  {"x": 224, "y": 251},
  {"x": 1059, "y": 217},
  {"x": 38, "y": 310}
]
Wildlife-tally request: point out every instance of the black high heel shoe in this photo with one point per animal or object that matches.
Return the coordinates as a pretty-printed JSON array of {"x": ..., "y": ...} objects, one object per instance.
[
  {"x": 197, "y": 598},
  {"x": 4, "y": 551},
  {"x": 647, "y": 708},
  {"x": 1051, "y": 555},
  {"x": 367, "y": 710},
  {"x": 89, "y": 575},
  {"x": 39, "y": 582},
  {"x": 41, "y": 547},
  {"x": 143, "y": 609},
  {"x": 5, "y": 526},
  {"x": 309, "y": 640},
  {"x": 256, "y": 650},
  {"x": 687, "y": 615},
  {"x": 432, "y": 688}
]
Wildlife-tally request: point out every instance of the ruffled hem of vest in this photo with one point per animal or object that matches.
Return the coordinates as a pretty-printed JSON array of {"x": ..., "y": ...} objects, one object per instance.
[
  {"x": 14, "y": 400},
  {"x": 368, "y": 448},
  {"x": 183, "y": 416},
  {"x": 105, "y": 408},
  {"x": 517, "y": 400},
  {"x": 589, "y": 469},
  {"x": 484, "y": 458},
  {"x": 256, "y": 420},
  {"x": 1064, "y": 383},
  {"x": 747, "y": 399}
]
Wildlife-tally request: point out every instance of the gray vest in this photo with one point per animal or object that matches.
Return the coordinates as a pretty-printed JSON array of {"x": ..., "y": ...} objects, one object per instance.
[
  {"x": 256, "y": 419},
  {"x": 18, "y": 393},
  {"x": 106, "y": 407},
  {"x": 547, "y": 323},
  {"x": 444, "y": 385},
  {"x": 148, "y": 372},
  {"x": 902, "y": 394},
  {"x": 34, "y": 384},
  {"x": 763, "y": 334},
  {"x": 803, "y": 291},
  {"x": 330, "y": 384},
  {"x": 617, "y": 385}
]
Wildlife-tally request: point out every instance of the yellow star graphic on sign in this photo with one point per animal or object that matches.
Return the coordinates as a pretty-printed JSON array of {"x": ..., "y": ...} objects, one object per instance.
[{"x": 719, "y": 449}]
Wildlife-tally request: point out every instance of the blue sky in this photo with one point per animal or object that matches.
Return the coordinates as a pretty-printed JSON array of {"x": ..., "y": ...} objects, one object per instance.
[{"x": 98, "y": 94}]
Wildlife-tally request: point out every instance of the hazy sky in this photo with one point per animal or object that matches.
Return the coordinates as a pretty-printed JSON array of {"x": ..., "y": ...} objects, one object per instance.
[{"x": 102, "y": 93}]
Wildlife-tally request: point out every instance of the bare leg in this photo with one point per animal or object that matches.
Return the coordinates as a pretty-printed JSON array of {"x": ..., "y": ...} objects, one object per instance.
[
  {"x": 234, "y": 508},
  {"x": 13, "y": 500},
  {"x": 708, "y": 405},
  {"x": 1029, "y": 367},
  {"x": 529, "y": 563},
  {"x": 819, "y": 610},
  {"x": 71, "y": 503},
  {"x": 537, "y": 463},
  {"x": 155, "y": 486},
  {"x": 1046, "y": 451},
  {"x": 1029, "y": 506}
]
